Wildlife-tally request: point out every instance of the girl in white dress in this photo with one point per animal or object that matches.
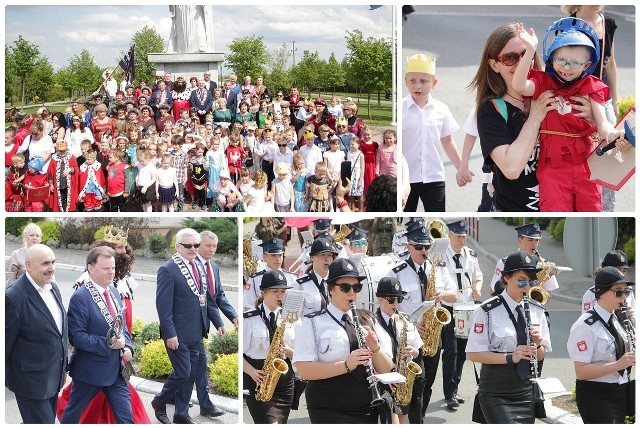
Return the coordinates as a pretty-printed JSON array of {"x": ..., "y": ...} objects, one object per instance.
[{"x": 357, "y": 177}]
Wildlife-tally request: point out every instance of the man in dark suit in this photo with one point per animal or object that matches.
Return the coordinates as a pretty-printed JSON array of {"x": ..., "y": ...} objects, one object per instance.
[
  {"x": 202, "y": 100},
  {"x": 231, "y": 95},
  {"x": 209, "y": 84},
  {"x": 208, "y": 247},
  {"x": 97, "y": 359},
  {"x": 160, "y": 96},
  {"x": 184, "y": 309},
  {"x": 36, "y": 338}
]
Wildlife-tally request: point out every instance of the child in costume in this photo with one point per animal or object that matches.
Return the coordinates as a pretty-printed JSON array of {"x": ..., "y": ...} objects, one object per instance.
[
  {"x": 117, "y": 176},
  {"x": 299, "y": 180},
  {"x": 318, "y": 186},
  {"x": 199, "y": 174},
  {"x": 570, "y": 51},
  {"x": 92, "y": 183},
  {"x": 63, "y": 179}
]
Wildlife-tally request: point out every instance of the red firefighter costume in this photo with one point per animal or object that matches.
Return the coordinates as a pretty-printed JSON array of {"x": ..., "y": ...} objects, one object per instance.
[
  {"x": 91, "y": 175},
  {"x": 565, "y": 145},
  {"x": 56, "y": 166}
]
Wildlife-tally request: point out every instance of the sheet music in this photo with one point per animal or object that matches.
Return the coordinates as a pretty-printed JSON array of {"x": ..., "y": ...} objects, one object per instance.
[
  {"x": 292, "y": 305},
  {"x": 416, "y": 316},
  {"x": 389, "y": 378},
  {"x": 438, "y": 248}
]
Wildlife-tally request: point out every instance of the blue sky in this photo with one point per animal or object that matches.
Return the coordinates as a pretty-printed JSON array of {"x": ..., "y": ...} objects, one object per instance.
[{"x": 105, "y": 31}]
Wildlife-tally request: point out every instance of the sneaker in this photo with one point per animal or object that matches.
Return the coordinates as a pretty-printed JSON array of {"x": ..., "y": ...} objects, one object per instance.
[
  {"x": 204, "y": 208},
  {"x": 194, "y": 206}
]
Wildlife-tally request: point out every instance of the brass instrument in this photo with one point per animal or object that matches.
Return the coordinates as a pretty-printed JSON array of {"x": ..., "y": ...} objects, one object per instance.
[
  {"x": 538, "y": 293},
  {"x": 530, "y": 342},
  {"x": 249, "y": 263},
  {"x": 434, "y": 318},
  {"x": 342, "y": 234},
  {"x": 273, "y": 366},
  {"x": 437, "y": 229},
  {"x": 376, "y": 399},
  {"x": 405, "y": 366}
]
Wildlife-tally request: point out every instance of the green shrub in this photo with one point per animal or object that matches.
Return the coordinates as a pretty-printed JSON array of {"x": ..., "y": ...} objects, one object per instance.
[
  {"x": 157, "y": 243},
  {"x": 154, "y": 361},
  {"x": 624, "y": 105},
  {"x": 74, "y": 231},
  {"x": 136, "y": 326},
  {"x": 99, "y": 234},
  {"x": 225, "y": 228},
  {"x": 148, "y": 333},
  {"x": 223, "y": 345},
  {"x": 136, "y": 240},
  {"x": 15, "y": 225},
  {"x": 558, "y": 230},
  {"x": 172, "y": 245},
  {"x": 629, "y": 249},
  {"x": 224, "y": 373},
  {"x": 50, "y": 230}
]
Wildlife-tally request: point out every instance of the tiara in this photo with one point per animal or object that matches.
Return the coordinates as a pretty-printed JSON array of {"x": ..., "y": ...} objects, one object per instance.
[{"x": 113, "y": 235}]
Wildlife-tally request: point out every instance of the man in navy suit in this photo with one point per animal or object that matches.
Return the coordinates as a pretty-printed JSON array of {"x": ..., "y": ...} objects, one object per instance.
[
  {"x": 202, "y": 100},
  {"x": 208, "y": 247},
  {"x": 161, "y": 96},
  {"x": 97, "y": 358},
  {"x": 231, "y": 95},
  {"x": 35, "y": 338},
  {"x": 184, "y": 309}
]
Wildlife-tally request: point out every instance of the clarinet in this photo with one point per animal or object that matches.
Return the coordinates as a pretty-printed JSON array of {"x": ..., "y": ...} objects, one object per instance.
[
  {"x": 376, "y": 399},
  {"x": 628, "y": 325},
  {"x": 530, "y": 342}
]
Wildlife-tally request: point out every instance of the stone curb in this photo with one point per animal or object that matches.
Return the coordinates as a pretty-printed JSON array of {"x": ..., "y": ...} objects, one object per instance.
[{"x": 152, "y": 387}]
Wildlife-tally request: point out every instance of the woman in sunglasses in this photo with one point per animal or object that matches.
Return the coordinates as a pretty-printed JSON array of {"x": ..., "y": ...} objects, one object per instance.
[
  {"x": 327, "y": 354},
  {"x": 603, "y": 353},
  {"x": 508, "y": 128},
  {"x": 390, "y": 295},
  {"x": 498, "y": 340}
]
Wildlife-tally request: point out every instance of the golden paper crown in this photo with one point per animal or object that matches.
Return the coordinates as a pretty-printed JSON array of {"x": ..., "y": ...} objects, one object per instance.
[
  {"x": 421, "y": 63},
  {"x": 309, "y": 135},
  {"x": 114, "y": 235}
]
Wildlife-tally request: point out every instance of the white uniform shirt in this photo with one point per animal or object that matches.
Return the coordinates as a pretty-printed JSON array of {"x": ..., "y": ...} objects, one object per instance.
[
  {"x": 328, "y": 342},
  {"x": 470, "y": 273},
  {"x": 422, "y": 129},
  {"x": 252, "y": 287},
  {"x": 594, "y": 344},
  {"x": 589, "y": 300},
  {"x": 494, "y": 331},
  {"x": 411, "y": 284},
  {"x": 312, "y": 297},
  {"x": 413, "y": 337},
  {"x": 255, "y": 334},
  {"x": 549, "y": 285}
]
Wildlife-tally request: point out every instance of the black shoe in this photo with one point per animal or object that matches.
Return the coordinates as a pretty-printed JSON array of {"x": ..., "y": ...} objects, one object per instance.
[
  {"x": 215, "y": 411},
  {"x": 183, "y": 420},
  {"x": 452, "y": 403},
  {"x": 160, "y": 412},
  {"x": 460, "y": 399}
]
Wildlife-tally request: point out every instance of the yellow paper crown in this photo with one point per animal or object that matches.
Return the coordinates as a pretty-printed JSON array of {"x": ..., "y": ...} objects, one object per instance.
[
  {"x": 309, "y": 135},
  {"x": 421, "y": 63},
  {"x": 115, "y": 235}
]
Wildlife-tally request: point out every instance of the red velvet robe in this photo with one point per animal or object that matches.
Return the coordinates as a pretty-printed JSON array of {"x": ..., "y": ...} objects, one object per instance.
[{"x": 53, "y": 174}]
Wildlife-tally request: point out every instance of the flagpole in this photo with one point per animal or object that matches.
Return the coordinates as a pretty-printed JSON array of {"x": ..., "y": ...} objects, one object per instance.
[{"x": 105, "y": 80}]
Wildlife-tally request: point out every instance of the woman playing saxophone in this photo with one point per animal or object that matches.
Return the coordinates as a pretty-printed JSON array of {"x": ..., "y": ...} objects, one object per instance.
[
  {"x": 405, "y": 342},
  {"x": 266, "y": 336}
]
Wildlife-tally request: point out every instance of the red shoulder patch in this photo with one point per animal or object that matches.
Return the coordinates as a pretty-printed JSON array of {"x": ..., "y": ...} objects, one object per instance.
[
  {"x": 582, "y": 346},
  {"x": 587, "y": 306},
  {"x": 478, "y": 328}
]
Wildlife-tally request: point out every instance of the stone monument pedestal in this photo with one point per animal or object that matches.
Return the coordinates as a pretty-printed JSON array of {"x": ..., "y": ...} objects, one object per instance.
[{"x": 187, "y": 64}]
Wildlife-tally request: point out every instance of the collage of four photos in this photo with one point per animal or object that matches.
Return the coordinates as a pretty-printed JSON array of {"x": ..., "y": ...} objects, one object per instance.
[{"x": 320, "y": 214}]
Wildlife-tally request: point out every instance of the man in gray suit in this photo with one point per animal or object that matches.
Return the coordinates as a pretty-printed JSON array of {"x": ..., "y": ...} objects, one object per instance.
[{"x": 36, "y": 338}]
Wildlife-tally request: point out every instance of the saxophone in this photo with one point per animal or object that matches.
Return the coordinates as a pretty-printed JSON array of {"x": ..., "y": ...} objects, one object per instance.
[
  {"x": 404, "y": 366},
  {"x": 273, "y": 366},
  {"x": 434, "y": 318},
  {"x": 249, "y": 263}
]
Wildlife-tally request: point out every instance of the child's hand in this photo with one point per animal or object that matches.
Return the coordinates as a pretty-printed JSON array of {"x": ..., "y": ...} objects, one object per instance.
[
  {"x": 528, "y": 37},
  {"x": 143, "y": 190},
  {"x": 615, "y": 135},
  {"x": 623, "y": 145}
]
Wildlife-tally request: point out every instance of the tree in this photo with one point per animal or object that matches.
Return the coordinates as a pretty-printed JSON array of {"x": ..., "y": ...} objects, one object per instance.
[
  {"x": 66, "y": 80},
  {"x": 249, "y": 56},
  {"x": 370, "y": 63},
  {"x": 146, "y": 41},
  {"x": 9, "y": 75},
  {"x": 278, "y": 79},
  {"x": 87, "y": 74},
  {"x": 25, "y": 55},
  {"x": 40, "y": 81},
  {"x": 306, "y": 73},
  {"x": 333, "y": 74}
]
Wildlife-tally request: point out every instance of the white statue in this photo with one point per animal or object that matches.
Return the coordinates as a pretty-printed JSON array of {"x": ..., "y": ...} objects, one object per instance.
[{"x": 191, "y": 29}]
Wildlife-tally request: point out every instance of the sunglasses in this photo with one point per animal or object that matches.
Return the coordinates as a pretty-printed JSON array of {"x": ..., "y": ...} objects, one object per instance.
[
  {"x": 620, "y": 293},
  {"x": 360, "y": 243},
  {"x": 345, "y": 288},
  {"x": 510, "y": 58},
  {"x": 392, "y": 300},
  {"x": 190, "y": 246},
  {"x": 282, "y": 145},
  {"x": 523, "y": 283},
  {"x": 420, "y": 247}
]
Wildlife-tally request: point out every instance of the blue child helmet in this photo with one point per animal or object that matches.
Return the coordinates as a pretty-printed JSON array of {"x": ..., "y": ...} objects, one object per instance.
[
  {"x": 36, "y": 163},
  {"x": 570, "y": 32}
]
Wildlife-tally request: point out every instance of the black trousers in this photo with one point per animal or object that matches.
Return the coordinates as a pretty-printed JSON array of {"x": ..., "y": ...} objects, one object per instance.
[
  {"x": 37, "y": 411},
  {"x": 421, "y": 399},
  {"x": 432, "y": 196},
  {"x": 601, "y": 403}
]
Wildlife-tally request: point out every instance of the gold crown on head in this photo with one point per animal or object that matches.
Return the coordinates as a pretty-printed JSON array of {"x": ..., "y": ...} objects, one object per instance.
[
  {"x": 114, "y": 235},
  {"x": 420, "y": 63}
]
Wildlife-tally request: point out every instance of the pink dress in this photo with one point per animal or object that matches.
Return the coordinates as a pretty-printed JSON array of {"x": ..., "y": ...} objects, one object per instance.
[
  {"x": 387, "y": 162},
  {"x": 369, "y": 152}
]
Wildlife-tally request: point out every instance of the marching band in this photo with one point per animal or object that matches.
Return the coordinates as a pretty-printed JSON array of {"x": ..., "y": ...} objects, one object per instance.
[{"x": 415, "y": 306}]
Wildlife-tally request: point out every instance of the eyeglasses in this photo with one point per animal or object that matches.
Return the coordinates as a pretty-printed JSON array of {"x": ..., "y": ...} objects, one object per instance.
[
  {"x": 359, "y": 243},
  {"x": 573, "y": 64},
  {"x": 420, "y": 247},
  {"x": 620, "y": 293},
  {"x": 392, "y": 300},
  {"x": 523, "y": 283},
  {"x": 345, "y": 288},
  {"x": 189, "y": 246},
  {"x": 282, "y": 145},
  {"x": 510, "y": 58}
]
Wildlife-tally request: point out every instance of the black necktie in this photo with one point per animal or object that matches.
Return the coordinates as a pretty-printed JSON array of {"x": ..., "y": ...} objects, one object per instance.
[
  {"x": 456, "y": 259},
  {"x": 619, "y": 341},
  {"x": 522, "y": 367},
  {"x": 351, "y": 332},
  {"x": 272, "y": 324}
]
